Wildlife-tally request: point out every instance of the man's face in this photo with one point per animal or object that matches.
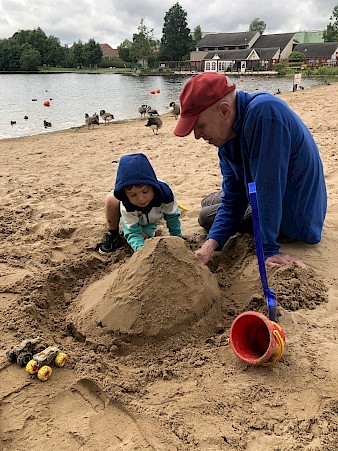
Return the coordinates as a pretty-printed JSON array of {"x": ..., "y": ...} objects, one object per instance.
[{"x": 215, "y": 125}]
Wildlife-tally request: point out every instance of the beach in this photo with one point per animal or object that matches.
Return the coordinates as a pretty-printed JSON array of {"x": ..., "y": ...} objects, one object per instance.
[{"x": 146, "y": 334}]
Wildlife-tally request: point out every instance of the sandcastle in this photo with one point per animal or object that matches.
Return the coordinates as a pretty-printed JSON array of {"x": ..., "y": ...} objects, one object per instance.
[{"x": 159, "y": 291}]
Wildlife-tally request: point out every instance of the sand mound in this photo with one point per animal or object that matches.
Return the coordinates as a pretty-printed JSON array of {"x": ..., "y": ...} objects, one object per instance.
[
  {"x": 161, "y": 289},
  {"x": 298, "y": 288}
]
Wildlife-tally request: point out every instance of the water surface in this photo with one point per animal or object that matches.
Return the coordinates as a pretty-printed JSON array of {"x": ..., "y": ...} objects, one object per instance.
[{"x": 72, "y": 95}]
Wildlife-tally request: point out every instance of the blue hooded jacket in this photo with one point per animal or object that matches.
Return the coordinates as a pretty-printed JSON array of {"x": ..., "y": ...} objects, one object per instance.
[
  {"x": 274, "y": 149},
  {"x": 135, "y": 169}
]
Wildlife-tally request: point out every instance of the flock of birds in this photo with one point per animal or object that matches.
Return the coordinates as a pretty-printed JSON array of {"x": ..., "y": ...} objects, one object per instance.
[
  {"x": 154, "y": 121},
  {"x": 146, "y": 111},
  {"x": 299, "y": 87},
  {"x": 46, "y": 124},
  {"x": 95, "y": 118}
]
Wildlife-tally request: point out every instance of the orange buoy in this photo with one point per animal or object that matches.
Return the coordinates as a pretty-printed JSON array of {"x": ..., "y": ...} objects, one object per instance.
[
  {"x": 46, "y": 103},
  {"x": 252, "y": 78},
  {"x": 158, "y": 91},
  {"x": 152, "y": 91}
]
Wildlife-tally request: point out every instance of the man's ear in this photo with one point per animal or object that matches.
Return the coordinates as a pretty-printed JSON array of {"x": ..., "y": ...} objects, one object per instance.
[{"x": 224, "y": 108}]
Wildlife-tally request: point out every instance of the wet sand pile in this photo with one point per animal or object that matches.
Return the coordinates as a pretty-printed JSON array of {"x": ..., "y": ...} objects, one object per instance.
[{"x": 160, "y": 290}]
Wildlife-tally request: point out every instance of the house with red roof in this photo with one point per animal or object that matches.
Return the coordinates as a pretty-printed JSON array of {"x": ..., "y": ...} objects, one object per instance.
[{"x": 108, "y": 52}]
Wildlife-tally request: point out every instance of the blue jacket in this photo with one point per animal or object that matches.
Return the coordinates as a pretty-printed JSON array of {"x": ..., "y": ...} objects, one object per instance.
[
  {"x": 135, "y": 169},
  {"x": 274, "y": 149}
]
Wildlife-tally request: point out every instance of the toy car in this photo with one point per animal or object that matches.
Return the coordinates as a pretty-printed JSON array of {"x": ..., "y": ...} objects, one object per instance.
[
  {"x": 23, "y": 352},
  {"x": 41, "y": 361}
]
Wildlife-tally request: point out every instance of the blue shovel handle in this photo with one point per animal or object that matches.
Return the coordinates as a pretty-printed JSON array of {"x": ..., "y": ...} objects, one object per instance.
[{"x": 269, "y": 293}]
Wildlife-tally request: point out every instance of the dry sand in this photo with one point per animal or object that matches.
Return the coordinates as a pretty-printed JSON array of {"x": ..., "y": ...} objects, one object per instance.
[{"x": 149, "y": 366}]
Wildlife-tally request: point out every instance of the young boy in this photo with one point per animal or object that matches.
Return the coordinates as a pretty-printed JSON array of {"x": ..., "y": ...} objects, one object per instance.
[{"x": 141, "y": 200}]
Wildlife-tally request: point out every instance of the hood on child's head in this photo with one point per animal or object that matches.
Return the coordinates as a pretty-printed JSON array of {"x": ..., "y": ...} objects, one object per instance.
[{"x": 135, "y": 169}]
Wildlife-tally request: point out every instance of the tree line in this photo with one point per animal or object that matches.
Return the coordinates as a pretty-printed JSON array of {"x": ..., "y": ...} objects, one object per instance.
[{"x": 27, "y": 50}]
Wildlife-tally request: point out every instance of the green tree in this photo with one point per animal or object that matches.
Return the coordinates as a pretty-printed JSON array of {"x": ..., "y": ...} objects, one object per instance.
[
  {"x": 35, "y": 38},
  {"x": 68, "y": 57},
  {"x": 257, "y": 25},
  {"x": 92, "y": 53},
  {"x": 49, "y": 47},
  {"x": 197, "y": 36},
  {"x": 176, "y": 40},
  {"x": 30, "y": 58},
  {"x": 143, "y": 45},
  {"x": 331, "y": 32},
  {"x": 154, "y": 53},
  {"x": 21, "y": 36},
  {"x": 282, "y": 68},
  {"x": 124, "y": 50},
  {"x": 77, "y": 54},
  {"x": 55, "y": 53},
  {"x": 10, "y": 53}
]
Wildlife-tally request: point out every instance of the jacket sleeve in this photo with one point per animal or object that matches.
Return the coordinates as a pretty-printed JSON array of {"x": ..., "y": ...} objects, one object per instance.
[
  {"x": 171, "y": 214},
  {"x": 132, "y": 229},
  {"x": 174, "y": 224},
  {"x": 133, "y": 235},
  {"x": 232, "y": 208}
]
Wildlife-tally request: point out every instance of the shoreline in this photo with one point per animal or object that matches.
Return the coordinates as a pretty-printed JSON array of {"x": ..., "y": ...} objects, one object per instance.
[{"x": 76, "y": 128}]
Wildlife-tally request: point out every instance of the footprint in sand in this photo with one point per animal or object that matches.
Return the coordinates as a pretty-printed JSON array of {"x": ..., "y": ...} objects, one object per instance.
[{"x": 63, "y": 416}]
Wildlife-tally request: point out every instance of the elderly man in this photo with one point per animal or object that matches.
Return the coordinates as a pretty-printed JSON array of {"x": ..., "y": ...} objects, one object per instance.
[{"x": 259, "y": 139}]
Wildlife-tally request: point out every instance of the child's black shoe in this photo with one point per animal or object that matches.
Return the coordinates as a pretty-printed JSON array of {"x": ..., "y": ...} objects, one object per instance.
[{"x": 110, "y": 243}]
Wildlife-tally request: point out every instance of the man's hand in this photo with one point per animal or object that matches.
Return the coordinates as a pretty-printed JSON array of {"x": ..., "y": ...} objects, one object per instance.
[
  {"x": 283, "y": 259},
  {"x": 206, "y": 250}
]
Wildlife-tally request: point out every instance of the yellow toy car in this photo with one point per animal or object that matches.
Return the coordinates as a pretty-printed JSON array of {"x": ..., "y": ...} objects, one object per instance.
[{"x": 40, "y": 363}]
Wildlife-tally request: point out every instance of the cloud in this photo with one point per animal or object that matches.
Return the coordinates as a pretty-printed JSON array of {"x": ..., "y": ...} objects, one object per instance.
[{"x": 114, "y": 21}]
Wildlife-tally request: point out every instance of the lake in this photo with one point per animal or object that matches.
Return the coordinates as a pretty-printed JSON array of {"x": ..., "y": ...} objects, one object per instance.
[{"x": 72, "y": 95}]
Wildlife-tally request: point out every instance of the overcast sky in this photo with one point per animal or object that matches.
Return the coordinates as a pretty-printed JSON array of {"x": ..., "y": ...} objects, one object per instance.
[{"x": 113, "y": 21}]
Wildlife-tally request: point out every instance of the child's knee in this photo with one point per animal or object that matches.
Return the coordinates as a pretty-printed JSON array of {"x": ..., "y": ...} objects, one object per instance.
[{"x": 111, "y": 201}]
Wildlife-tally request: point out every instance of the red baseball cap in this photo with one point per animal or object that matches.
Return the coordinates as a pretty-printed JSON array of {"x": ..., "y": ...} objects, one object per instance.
[{"x": 200, "y": 92}]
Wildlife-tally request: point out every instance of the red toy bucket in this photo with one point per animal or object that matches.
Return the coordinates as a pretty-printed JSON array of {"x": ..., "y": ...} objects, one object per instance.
[{"x": 256, "y": 340}]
